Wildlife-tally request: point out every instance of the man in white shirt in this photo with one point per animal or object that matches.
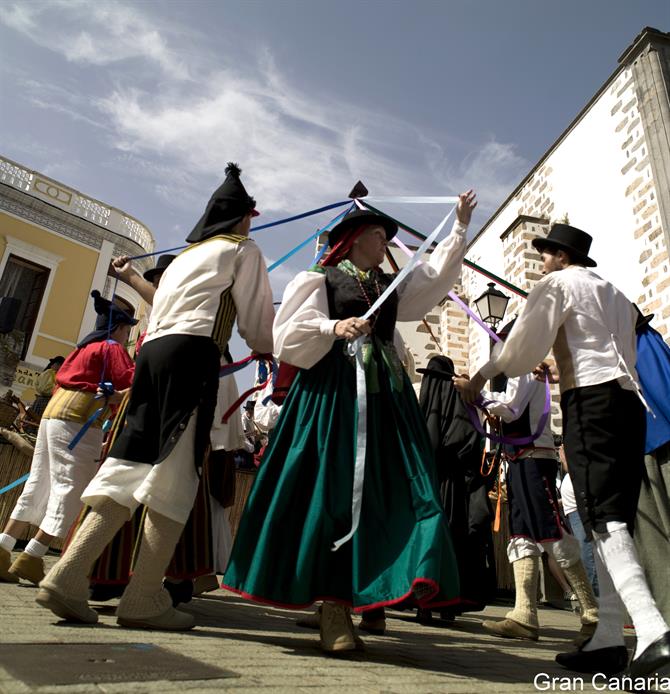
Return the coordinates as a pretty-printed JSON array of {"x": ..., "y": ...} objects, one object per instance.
[
  {"x": 219, "y": 279},
  {"x": 591, "y": 326},
  {"x": 534, "y": 515}
]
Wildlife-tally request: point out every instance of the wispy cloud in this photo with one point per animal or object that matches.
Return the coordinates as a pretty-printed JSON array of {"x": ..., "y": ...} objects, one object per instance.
[{"x": 295, "y": 148}]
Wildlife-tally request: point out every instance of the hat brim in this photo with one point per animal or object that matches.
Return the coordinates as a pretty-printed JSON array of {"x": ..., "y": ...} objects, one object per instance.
[
  {"x": 643, "y": 322},
  {"x": 541, "y": 244},
  {"x": 389, "y": 226},
  {"x": 152, "y": 272}
]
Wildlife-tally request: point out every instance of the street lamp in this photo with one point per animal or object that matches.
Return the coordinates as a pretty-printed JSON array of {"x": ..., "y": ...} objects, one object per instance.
[{"x": 492, "y": 305}]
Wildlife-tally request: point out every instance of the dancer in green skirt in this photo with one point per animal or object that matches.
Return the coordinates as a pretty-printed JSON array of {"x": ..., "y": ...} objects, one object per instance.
[{"x": 301, "y": 502}]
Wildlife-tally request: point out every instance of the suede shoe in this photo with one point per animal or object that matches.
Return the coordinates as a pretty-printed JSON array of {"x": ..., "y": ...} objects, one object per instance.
[
  {"x": 610, "y": 661},
  {"x": 5, "y": 561},
  {"x": 28, "y": 567},
  {"x": 337, "y": 632},
  {"x": 655, "y": 659},
  {"x": 509, "y": 629},
  {"x": 66, "y": 608},
  {"x": 170, "y": 620}
]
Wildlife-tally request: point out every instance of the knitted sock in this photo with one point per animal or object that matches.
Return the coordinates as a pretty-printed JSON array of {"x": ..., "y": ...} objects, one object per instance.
[
  {"x": 7, "y": 541},
  {"x": 70, "y": 575},
  {"x": 36, "y": 549},
  {"x": 618, "y": 553},
  {"x": 581, "y": 586},
  {"x": 526, "y": 575},
  {"x": 145, "y": 596},
  {"x": 609, "y": 631}
]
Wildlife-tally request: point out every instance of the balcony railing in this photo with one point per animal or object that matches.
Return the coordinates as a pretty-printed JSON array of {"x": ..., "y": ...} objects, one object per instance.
[{"x": 44, "y": 188}]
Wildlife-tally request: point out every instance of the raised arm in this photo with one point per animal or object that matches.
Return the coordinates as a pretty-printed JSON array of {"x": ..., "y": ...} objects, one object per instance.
[
  {"x": 428, "y": 283},
  {"x": 252, "y": 296},
  {"x": 125, "y": 271}
]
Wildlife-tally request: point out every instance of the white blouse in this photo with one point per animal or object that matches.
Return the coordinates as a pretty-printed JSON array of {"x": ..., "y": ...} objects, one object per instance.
[{"x": 303, "y": 330}]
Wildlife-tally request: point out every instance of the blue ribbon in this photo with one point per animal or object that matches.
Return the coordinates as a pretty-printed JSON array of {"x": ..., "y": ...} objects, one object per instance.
[
  {"x": 87, "y": 425},
  {"x": 15, "y": 483}
]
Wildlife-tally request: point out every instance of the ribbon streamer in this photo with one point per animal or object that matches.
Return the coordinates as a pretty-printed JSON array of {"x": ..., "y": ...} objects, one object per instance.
[
  {"x": 512, "y": 440},
  {"x": 412, "y": 199},
  {"x": 15, "y": 483},
  {"x": 354, "y": 350}
]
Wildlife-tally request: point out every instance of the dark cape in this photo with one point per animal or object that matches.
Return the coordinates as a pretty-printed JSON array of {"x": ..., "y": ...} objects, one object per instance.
[{"x": 458, "y": 451}]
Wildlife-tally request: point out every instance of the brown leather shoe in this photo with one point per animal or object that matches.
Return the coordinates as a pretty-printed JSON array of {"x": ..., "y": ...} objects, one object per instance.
[
  {"x": 5, "y": 562},
  {"x": 509, "y": 629},
  {"x": 28, "y": 567}
]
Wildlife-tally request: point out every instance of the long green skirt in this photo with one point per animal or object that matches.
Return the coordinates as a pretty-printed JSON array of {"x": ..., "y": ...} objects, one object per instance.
[{"x": 301, "y": 501}]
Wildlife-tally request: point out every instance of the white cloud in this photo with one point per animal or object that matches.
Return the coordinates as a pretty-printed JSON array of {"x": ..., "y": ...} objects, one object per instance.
[
  {"x": 97, "y": 33},
  {"x": 295, "y": 148}
]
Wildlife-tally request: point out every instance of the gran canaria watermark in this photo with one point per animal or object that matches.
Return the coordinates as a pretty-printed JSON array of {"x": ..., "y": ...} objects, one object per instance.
[{"x": 544, "y": 682}]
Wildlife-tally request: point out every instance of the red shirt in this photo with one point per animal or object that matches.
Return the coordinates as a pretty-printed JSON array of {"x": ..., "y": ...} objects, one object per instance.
[{"x": 83, "y": 369}]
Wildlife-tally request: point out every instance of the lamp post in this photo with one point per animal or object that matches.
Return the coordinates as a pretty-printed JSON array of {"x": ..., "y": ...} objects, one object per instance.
[{"x": 492, "y": 305}]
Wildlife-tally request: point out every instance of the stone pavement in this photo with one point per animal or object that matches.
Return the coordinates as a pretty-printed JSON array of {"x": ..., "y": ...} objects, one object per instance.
[{"x": 265, "y": 650}]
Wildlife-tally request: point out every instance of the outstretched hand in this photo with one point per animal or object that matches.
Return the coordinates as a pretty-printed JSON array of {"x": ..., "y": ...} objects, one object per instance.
[
  {"x": 466, "y": 204},
  {"x": 469, "y": 388}
]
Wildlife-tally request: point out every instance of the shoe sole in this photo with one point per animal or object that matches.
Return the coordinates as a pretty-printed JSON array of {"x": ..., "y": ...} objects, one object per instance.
[
  {"x": 139, "y": 624},
  {"x": 61, "y": 609},
  {"x": 518, "y": 637},
  {"x": 8, "y": 578},
  {"x": 20, "y": 574},
  {"x": 341, "y": 648}
]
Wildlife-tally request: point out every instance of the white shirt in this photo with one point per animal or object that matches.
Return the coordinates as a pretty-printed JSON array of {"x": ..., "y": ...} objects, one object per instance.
[
  {"x": 568, "y": 495},
  {"x": 192, "y": 288},
  {"x": 523, "y": 391},
  {"x": 589, "y": 323},
  {"x": 303, "y": 330}
]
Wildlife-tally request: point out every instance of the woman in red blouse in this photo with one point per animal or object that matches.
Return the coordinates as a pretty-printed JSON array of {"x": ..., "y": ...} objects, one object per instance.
[{"x": 51, "y": 498}]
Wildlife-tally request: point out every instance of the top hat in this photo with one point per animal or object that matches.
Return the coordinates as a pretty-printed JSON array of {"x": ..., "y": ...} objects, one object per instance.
[
  {"x": 440, "y": 366},
  {"x": 568, "y": 238},
  {"x": 161, "y": 266},
  {"x": 228, "y": 206},
  {"x": 249, "y": 404},
  {"x": 358, "y": 218},
  {"x": 109, "y": 317}
]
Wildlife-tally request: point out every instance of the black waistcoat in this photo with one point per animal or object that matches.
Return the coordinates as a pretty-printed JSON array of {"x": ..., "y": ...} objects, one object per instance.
[{"x": 346, "y": 300}]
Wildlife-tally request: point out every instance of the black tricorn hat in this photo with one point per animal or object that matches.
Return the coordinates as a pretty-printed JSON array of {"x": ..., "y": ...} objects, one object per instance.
[
  {"x": 440, "y": 366},
  {"x": 228, "y": 205},
  {"x": 109, "y": 317},
  {"x": 358, "y": 218},
  {"x": 161, "y": 266},
  {"x": 568, "y": 238}
]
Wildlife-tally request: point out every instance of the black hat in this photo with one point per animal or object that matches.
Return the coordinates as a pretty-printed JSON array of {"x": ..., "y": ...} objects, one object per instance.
[
  {"x": 249, "y": 404},
  {"x": 55, "y": 360},
  {"x": 358, "y": 218},
  {"x": 571, "y": 239},
  {"x": 229, "y": 204},
  {"x": 506, "y": 329},
  {"x": 642, "y": 320},
  {"x": 109, "y": 317},
  {"x": 440, "y": 366},
  {"x": 161, "y": 265}
]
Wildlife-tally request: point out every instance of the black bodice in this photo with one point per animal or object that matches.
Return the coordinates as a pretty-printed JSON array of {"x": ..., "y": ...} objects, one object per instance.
[{"x": 345, "y": 299}]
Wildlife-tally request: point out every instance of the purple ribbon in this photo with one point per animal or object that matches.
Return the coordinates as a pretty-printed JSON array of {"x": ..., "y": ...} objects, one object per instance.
[{"x": 511, "y": 440}]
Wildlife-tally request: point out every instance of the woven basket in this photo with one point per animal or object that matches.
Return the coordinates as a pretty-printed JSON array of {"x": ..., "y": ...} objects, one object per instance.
[{"x": 8, "y": 413}]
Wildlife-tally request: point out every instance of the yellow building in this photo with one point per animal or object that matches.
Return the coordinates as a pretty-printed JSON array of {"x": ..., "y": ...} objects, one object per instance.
[{"x": 56, "y": 245}]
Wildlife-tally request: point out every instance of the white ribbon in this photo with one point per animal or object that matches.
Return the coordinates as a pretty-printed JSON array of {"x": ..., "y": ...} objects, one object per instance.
[
  {"x": 354, "y": 350},
  {"x": 446, "y": 199}
]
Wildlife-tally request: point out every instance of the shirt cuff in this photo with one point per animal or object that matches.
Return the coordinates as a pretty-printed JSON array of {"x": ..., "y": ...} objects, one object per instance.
[
  {"x": 489, "y": 370},
  {"x": 459, "y": 227},
  {"x": 327, "y": 328}
]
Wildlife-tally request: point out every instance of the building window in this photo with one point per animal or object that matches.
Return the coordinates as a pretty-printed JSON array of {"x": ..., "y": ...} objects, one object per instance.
[{"x": 25, "y": 282}]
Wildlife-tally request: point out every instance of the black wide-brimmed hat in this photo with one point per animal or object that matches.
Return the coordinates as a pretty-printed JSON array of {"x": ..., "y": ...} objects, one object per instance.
[
  {"x": 440, "y": 366},
  {"x": 249, "y": 404},
  {"x": 642, "y": 320},
  {"x": 109, "y": 317},
  {"x": 568, "y": 238},
  {"x": 55, "y": 360},
  {"x": 229, "y": 204},
  {"x": 358, "y": 218},
  {"x": 161, "y": 265}
]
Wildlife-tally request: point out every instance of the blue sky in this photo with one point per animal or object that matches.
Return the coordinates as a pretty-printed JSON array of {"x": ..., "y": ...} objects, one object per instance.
[{"x": 141, "y": 104}]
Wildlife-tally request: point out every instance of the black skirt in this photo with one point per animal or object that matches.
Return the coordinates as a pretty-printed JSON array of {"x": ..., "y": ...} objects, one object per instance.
[{"x": 174, "y": 375}]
